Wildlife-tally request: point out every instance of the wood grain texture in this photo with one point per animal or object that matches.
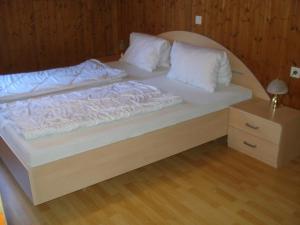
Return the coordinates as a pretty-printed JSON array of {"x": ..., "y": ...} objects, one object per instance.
[
  {"x": 264, "y": 34},
  {"x": 43, "y": 183},
  {"x": 253, "y": 146},
  {"x": 50, "y": 33},
  {"x": 208, "y": 185},
  {"x": 255, "y": 125},
  {"x": 38, "y": 34},
  {"x": 268, "y": 135}
]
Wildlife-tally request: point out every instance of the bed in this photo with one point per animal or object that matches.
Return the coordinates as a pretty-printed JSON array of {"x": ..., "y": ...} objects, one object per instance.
[{"x": 47, "y": 168}]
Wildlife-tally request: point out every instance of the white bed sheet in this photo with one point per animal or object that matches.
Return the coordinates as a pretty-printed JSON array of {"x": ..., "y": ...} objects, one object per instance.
[
  {"x": 136, "y": 73},
  {"x": 196, "y": 103}
]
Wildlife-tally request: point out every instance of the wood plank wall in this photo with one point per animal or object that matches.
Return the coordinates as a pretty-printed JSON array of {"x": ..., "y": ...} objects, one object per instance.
[
  {"x": 265, "y": 34},
  {"x": 37, "y": 34}
]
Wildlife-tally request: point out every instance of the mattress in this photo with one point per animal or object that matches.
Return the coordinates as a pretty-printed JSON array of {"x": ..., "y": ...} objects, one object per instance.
[
  {"x": 88, "y": 73},
  {"x": 196, "y": 103}
]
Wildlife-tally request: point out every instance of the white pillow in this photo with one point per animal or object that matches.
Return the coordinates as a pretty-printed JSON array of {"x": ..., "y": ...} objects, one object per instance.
[
  {"x": 225, "y": 73},
  {"x": 195, "y": 65},
  {"x": 165, "y": 47},
  {"x": 147, "y": 52}
]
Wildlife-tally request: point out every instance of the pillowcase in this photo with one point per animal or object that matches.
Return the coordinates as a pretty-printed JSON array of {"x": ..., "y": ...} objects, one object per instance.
[
  {"x": 195, "y": 65},
  {"x": 147, "y": 52},
  {"x": 225, "y": 73},
  {"x": 200, "y": 67}
]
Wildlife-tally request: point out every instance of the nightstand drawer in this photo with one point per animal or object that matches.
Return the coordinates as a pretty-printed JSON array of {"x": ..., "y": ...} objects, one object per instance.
[
  {"x": 255, "y": 125},
  {"x": 253, "y": 146}
]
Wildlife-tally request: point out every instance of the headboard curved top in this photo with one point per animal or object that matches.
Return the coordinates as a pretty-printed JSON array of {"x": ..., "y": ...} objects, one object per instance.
[{"x": 241, "y": 73}]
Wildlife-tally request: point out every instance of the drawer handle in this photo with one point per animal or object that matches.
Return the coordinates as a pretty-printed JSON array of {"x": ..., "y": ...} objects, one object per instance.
[
  {"x": 251, "y": 126},
  {"x": 249, "y": 145}
]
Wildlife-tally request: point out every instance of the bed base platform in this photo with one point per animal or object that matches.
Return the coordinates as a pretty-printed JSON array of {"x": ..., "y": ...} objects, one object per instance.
[{"x": 55, "y": 179}]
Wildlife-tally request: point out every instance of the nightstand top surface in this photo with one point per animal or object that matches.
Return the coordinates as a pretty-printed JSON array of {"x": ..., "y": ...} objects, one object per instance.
[{"x": 263, "y": 109}]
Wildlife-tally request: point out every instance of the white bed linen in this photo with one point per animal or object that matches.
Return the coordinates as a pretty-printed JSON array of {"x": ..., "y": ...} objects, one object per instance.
[
  {"x": 135, "y": 73},
  {"x": 196, "y": 103},
  {"x": 64, "y": 112},
  {"x": 88, "y": 73}
]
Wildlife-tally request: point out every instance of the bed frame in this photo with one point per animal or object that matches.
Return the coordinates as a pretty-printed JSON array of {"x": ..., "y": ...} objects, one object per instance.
[{"x": 52, "y": 180}]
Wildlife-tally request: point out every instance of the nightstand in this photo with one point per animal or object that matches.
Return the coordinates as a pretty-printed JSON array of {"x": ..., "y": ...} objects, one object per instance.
[{"x": 269, "y": 136}]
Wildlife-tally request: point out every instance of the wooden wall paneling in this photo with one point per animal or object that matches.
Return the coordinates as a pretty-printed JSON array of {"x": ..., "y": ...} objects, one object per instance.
[
  {"x": 12, "y": 32},
  {"x": 222, "y": 23},
  {"x": 49, "y": 22},
  {"x": 244, "y": 36},
  {"x": 124, "y": 27},
  {"x": 155, "y": 16},
  {"x": 4, "y": 53},
  {"x": 217, "y": 7},
  {"x": 233, "y": 14},
  {"x": 112, "y": 24},
  {"x": 276, "y": 22},
  {"x": 292, "y": 54},
  {"x": 122, "y": 40},
  {"x": 55, "y": 26},
  {"x": 189, "y": 19},
  {"x": 86, "y": 23},
  {"x": 133, "y": 19},
  {"x": 47, "y": 33},
  {"x": 123, "y": 18},
  {"x": 58, "y": 28},
  {"x": 211, "y": 27},
  {"x": 178, "y": 15},
  {"x": 197, "y": 9},
  {"x": 275, "y": 42},
  {"x": 225, "y": 23},
  {"x": 42, "y": 35},
  {"x": 75, "y": 9},
  {"x": 71, "y": 41},
  {"x": 98, "y": 28},
  {"x": 155, "y": 24},
  {"x": 263, "y": 33},
  {"x": 137, "y": 10},
  {"x": 257, "y": 34},
  {"x": 50, "y": 33},
  {"x": 9, "y": 35},
  {"x": 85, "y": 27},
  {"x": 26, "y": 56},
  {"x": 283, "y": 10}
]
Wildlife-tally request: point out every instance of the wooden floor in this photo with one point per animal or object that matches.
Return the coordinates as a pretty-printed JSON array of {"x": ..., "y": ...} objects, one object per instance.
[{"x": 208, "y": 185}]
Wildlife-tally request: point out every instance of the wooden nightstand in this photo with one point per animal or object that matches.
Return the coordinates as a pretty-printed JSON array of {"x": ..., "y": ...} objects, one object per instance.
[{"x": 270, "y": 136}]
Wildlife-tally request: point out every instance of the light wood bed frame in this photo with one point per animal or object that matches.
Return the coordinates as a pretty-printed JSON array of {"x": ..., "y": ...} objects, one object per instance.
[{"x": 49, "y": 181}]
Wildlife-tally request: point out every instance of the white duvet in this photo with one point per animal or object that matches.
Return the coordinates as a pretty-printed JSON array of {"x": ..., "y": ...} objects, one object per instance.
[
  {"x": 90, "y": 72},
  {"x": 53, "y": 114}
]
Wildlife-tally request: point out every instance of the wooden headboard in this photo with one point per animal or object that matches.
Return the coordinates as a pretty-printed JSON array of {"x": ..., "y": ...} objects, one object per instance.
[{"x": 241, "y": 73}]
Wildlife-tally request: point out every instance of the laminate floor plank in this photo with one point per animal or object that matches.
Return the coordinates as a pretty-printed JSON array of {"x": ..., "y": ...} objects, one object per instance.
[{"x": 207, "y": 185}]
